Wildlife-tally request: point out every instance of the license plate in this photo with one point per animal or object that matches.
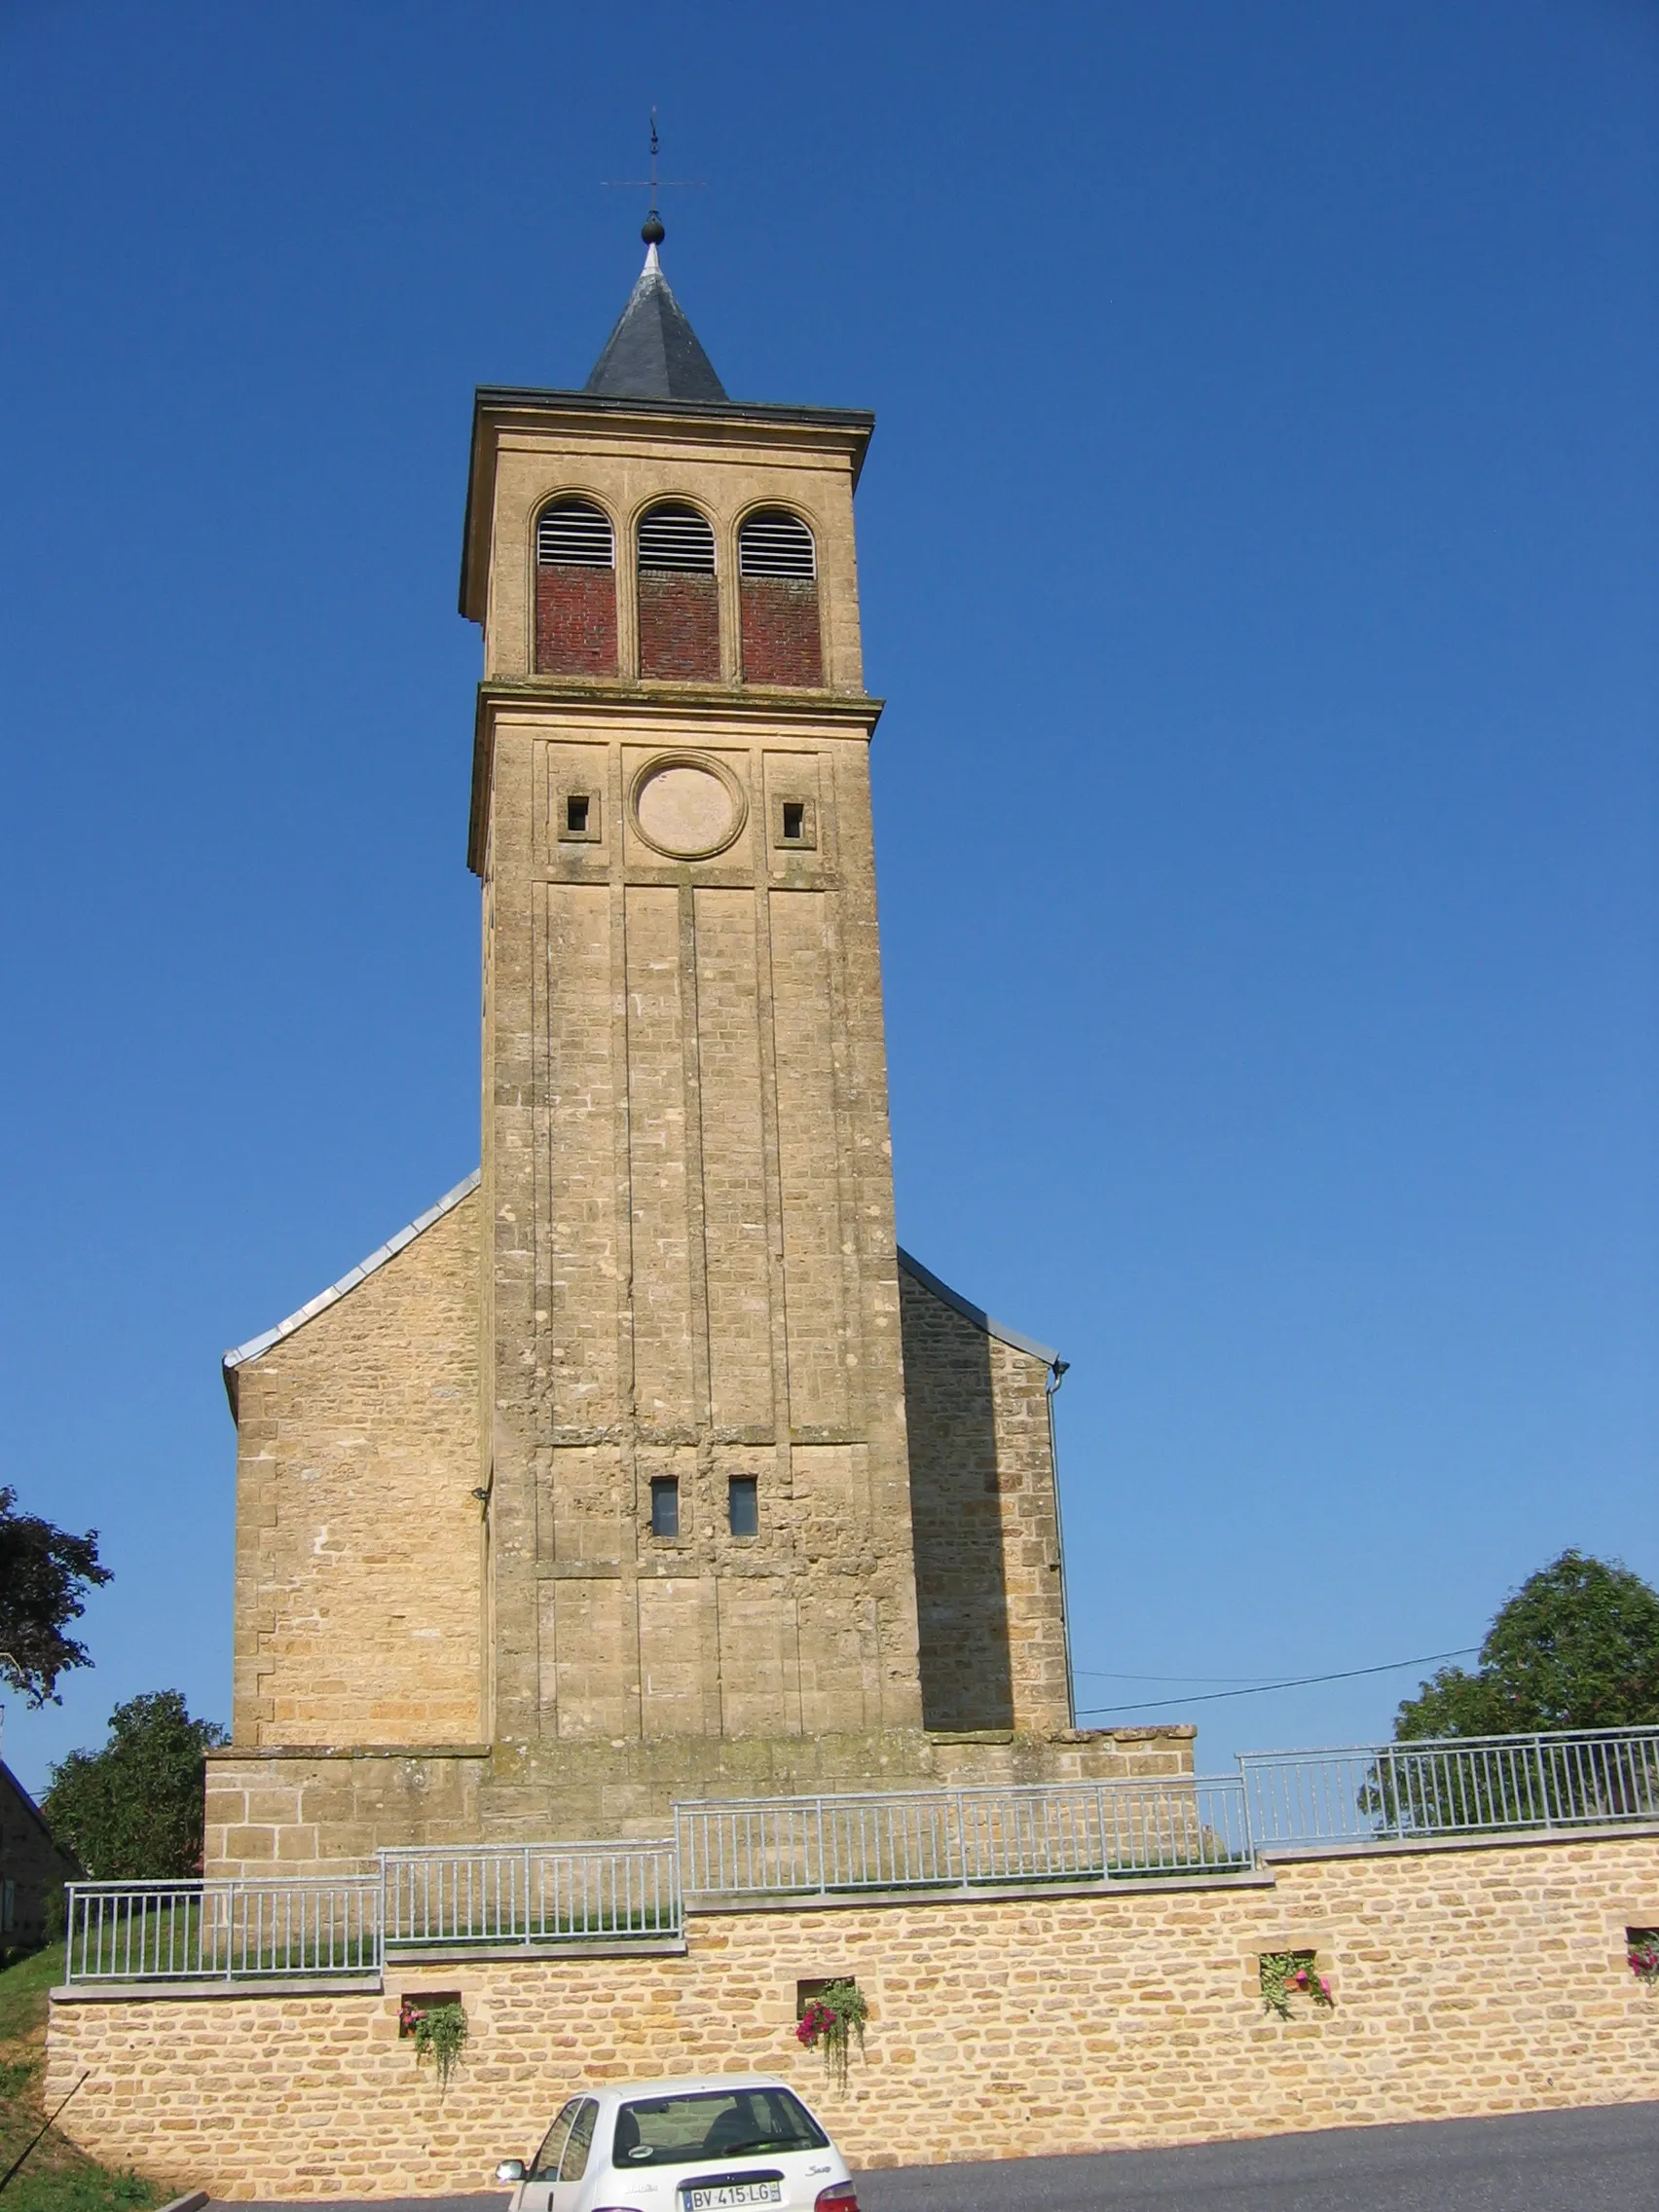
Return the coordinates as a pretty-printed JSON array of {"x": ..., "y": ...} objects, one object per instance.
[{"x": 734, "y": 2192}]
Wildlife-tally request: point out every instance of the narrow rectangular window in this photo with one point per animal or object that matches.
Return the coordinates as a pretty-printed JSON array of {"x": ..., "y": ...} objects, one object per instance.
[
  {"x": 743, "y": 1505},
  {"x": 665, "y": 1507},
  {"x": 795, "y": 821},
  {"x": 578, "y": 817}
]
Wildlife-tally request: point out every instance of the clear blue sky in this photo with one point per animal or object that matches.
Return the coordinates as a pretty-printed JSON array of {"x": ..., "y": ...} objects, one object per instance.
[{"x": 1257, "y": 552}]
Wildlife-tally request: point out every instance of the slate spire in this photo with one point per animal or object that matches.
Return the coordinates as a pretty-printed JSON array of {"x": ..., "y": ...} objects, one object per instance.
[{"x": 653, "y": 352}]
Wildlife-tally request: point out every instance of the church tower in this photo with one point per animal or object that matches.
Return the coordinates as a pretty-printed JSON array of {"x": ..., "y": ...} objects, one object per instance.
[
  {"x": 699, "y": 1518},
  {"x": 645, "y": 1465}
]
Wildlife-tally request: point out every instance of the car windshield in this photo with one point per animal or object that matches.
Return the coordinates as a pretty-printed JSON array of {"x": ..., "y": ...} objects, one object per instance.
[
  {"x": 715, "y": 2124},
  {"x": 544, "y": 2166}
]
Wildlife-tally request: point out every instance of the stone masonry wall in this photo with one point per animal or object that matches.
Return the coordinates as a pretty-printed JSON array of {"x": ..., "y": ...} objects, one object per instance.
[
  {"x": 1466, "y": 1981},
  {"x": 692, "y": 1275},
  {"x": 357, "y": 1609},
  {"x": 327, "y": 1812},
  {"x": 276, "y": 1812},
  {"x": 989, "y": 1601}
]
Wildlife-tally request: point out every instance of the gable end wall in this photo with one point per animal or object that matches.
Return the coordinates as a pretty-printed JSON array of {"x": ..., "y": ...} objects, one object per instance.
[
  {"x": 989, "y": 1592},
  {"x": 359, "y": 1546}
]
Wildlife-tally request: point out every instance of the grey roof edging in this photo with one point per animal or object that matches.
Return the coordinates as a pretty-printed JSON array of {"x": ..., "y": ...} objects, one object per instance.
[
  {"x": 349, "y": 1282},
  {"x": 975, "y": 1314}
]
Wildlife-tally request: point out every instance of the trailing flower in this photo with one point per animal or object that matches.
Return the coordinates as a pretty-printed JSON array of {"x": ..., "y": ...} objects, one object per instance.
[
  {"x": 1292, "y": 1973},
  {"x": 1644, "y": 1956},
  {"x": 440, "y": 2034},
  {"x": 827, "y": 2023}
]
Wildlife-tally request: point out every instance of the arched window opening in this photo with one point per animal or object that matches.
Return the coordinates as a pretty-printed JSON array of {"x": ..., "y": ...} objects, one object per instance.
[
  {"x": 777, "y": 562},
  {"x": 680, "y": 607},
  {"x": 576, "y": 590}
]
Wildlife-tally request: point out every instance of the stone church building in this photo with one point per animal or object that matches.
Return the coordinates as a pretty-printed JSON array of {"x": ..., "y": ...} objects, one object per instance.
[{"x": 643, "y": 1464}]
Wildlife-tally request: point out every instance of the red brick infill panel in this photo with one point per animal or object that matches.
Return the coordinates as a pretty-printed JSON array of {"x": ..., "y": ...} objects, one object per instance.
[
  {"x": 575, "y": 620},
  {"x": 679, "y": 626},
  {"x": 779, "y": 631}
]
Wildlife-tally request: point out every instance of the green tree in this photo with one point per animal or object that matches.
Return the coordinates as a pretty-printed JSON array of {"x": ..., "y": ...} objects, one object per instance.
[
  {"x": 133, "y": 1810},
  {"x": 44, "y": 1571},
  {"x": 1576, "y": 1646}
]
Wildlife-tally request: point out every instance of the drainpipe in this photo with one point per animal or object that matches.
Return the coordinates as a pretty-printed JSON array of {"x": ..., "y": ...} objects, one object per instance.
[{"x": 1052, "y": 1384}]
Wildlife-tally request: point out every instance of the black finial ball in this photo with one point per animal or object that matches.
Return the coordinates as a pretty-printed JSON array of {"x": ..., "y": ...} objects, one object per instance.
[{"x": 651, "y": 230}]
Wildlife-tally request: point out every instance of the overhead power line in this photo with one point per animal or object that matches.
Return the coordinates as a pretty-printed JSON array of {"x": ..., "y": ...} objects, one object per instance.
[
  {"x": 1261, "y": 1689},
  {"x": 1106, "y": 1674}
]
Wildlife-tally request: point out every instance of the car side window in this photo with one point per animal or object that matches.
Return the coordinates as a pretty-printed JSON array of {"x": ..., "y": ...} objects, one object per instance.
[
  {"x": 573, "y": 2164},
  {"x": 544, "y": 2166}
]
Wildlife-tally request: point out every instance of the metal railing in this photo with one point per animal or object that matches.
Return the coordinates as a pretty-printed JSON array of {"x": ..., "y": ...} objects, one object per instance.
[
  {"x": 1377, "y": 1794},
  {"x": 551, "y": 1896},
  {"x": 223, "y": 1930},
  {"x": 962, "y": 1838},
  {"x": 529, "y": 1895}
]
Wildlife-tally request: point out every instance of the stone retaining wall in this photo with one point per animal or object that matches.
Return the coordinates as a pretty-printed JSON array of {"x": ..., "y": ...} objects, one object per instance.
[
  {"x": 280, "y": 1813},
  {"x": 1466, "y": 1980}
]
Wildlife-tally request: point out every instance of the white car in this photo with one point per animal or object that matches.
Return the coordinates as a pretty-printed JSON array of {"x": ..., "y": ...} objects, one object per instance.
[{"x": 718, "y": 2142}]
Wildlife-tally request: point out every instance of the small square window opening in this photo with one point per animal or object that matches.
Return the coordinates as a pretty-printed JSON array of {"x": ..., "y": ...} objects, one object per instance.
[
  {"x": 743, "y": 1505},
  {"x": 578, "y": 817},
  {"x": 795, "y": 821},
  {"x": 665, "y": 1507}
]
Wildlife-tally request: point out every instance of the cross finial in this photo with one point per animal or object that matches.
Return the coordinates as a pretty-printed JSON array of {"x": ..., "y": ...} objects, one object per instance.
[{"x": 652, "y": 231}]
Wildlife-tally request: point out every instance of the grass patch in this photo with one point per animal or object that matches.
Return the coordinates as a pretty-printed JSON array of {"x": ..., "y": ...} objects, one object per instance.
[
  {"x": 57, "y": 2177},
  {"x": 23, "y": 1991}
]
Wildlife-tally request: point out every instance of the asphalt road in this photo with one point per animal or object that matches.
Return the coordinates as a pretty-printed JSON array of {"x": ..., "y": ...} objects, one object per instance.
[
  {"x": 1606, "y": 2160},
  {"x": 1603, "y": 2160}
]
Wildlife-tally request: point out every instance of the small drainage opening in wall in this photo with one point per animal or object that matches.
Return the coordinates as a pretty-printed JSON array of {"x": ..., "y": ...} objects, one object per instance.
[
  {"x": 1641, "y": 1950},
  {"x": 414, "y": 2003},
  {"x": 1286, "y": 1976}
]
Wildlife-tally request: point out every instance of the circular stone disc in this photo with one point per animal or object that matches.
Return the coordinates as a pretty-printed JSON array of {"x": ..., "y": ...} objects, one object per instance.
[{"x": 687, "y": 810}]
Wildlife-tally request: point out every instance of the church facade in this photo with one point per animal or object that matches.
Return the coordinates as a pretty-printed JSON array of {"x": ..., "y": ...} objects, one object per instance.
[{"x": 645, "y": 1465}]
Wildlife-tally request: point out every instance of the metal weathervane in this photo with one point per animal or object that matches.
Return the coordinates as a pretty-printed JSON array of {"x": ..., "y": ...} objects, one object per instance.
[{"x": 652, "y": 231}]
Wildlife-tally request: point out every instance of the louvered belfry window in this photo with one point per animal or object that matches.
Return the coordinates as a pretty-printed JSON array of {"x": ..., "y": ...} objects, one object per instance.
[
  {"x": 677, "y": 538},
  {"x": 679, "y": 603},
  {"x": 575, "y": 533},
  {"x": 576, "y": 590},
  {"x": 776, "y": 545},
  {"x": 777, "y": 562}
]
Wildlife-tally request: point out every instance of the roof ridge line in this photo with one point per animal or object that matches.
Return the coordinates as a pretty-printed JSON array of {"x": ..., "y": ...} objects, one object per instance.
[
  {"x": 976, "y": 1313},
  {"x": 238, "y": 1354}
]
